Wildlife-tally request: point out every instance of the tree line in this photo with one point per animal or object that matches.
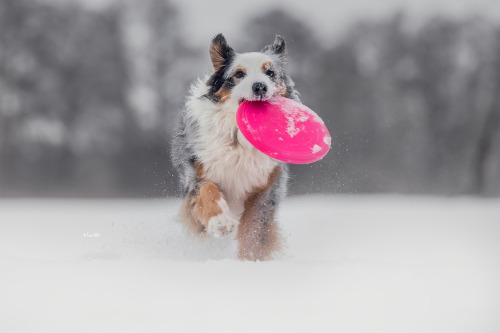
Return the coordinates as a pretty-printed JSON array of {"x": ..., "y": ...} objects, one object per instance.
[{"x": 89, "y": 99}]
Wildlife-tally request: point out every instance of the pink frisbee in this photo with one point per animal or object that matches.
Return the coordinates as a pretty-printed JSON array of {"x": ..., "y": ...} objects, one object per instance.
[{"x": 284, "y": 129}]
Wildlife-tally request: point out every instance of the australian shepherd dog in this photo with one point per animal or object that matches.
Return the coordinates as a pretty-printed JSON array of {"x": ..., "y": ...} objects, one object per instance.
[{"x": 230, "y": 188}]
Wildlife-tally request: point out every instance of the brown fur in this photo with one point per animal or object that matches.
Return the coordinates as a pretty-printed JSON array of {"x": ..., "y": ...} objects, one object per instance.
[
  {"x": 206, "y": 205},
  {"x": 280, "y": 87},
  {"x": 257, "y": 240},
  {"x": 198, "y": 168},
  {"x": 240, "y": 68},
  {"x": 222, "y": 95},
  {"x": 282, "y": 90},
  {"x": 265, "y": 66},
  {"x": 200, "y": 206},
  {"x": 216, "y": 56},
  {"x": 186, "y": 216}
]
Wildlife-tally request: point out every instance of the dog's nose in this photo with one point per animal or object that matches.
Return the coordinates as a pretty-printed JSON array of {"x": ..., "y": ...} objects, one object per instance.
[{"x": 259, "y": 88}]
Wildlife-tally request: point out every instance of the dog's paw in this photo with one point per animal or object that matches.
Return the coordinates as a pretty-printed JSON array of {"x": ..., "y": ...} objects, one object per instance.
[{"x": 222, "y": 224}]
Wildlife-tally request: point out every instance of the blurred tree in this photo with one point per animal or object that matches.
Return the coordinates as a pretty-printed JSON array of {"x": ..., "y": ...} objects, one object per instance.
[
  {"x": 88, "y": 99},
  {"x": 159, "y": 63},
  {"x": 67, "y": 124},
  {"x": 486, "y": 160},
  {"x": 455, "y": 63}
]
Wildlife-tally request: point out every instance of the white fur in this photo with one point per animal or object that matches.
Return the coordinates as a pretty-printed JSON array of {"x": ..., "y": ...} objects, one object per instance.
[
  {"x": 252, "y": 62},
  {"x": 224, "y": 223},
  {"x": 229, "y": 160}
]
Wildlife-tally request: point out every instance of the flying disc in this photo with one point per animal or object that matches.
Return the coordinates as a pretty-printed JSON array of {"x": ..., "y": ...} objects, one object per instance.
[{"x": 284, "y": 129}]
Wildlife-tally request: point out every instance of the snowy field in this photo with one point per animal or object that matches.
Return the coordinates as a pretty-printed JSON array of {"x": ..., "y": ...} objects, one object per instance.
[{"x": 351, "y": 264}]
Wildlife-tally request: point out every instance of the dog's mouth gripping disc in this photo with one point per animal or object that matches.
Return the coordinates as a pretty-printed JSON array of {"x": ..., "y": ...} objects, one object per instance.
[{"x": 284, "y": 129}]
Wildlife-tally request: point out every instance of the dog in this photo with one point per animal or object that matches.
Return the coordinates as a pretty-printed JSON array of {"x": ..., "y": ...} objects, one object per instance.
[{"x": 229, "y": 187}]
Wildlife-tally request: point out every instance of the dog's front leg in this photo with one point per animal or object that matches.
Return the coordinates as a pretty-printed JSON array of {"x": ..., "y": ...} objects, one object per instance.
[
  {"x": 258, "y": 233},
  {"x": 205, "y": 210}
]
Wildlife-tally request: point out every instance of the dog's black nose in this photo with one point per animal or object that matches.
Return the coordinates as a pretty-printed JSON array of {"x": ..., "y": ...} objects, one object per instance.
[{"x": 259, "y": 88}]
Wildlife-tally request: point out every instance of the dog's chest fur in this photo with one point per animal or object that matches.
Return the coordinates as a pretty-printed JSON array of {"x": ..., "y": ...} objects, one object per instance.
[{"x": 228, "y": 159}]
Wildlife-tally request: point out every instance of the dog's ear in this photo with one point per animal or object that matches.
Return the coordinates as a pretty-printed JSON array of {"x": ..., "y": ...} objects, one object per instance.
[
  {"x": 220, "y": 52},
  {"x": 278, "y": 47}
]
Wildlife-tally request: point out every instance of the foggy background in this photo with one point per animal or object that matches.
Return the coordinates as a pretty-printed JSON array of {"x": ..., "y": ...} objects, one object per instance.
[{"x": 90, "y": 92}]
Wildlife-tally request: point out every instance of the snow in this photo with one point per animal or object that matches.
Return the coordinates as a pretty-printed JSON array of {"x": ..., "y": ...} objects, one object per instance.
[
  {"x": 351, "y": 264},
  {"x": 291, "y": 118},
  {"x": 291, "y": 129},
  {"x": 294, "y": 112},
  {"x": 315, "y": 149}
]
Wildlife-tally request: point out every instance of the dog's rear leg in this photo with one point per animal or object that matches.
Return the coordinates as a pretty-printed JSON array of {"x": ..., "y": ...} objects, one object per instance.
[
  {"x": 204, "y": 210},
  {"x": 258, "y": 233}
]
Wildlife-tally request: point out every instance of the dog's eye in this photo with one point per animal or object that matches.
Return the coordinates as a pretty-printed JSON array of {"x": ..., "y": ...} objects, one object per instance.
[
  {"x": 269, "y": 73},
  {"x": 239, "y": 74}
]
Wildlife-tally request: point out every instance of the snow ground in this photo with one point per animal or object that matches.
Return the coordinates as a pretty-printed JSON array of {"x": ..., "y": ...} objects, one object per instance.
[{"x": 352, "y": 264}]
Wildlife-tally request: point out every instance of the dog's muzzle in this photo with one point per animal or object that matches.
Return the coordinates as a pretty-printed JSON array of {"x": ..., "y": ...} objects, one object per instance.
[{"x": 259, "y": 89}]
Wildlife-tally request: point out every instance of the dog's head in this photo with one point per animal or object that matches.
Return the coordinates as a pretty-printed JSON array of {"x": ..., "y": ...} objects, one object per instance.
[{"x": 248, "y": 76}]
